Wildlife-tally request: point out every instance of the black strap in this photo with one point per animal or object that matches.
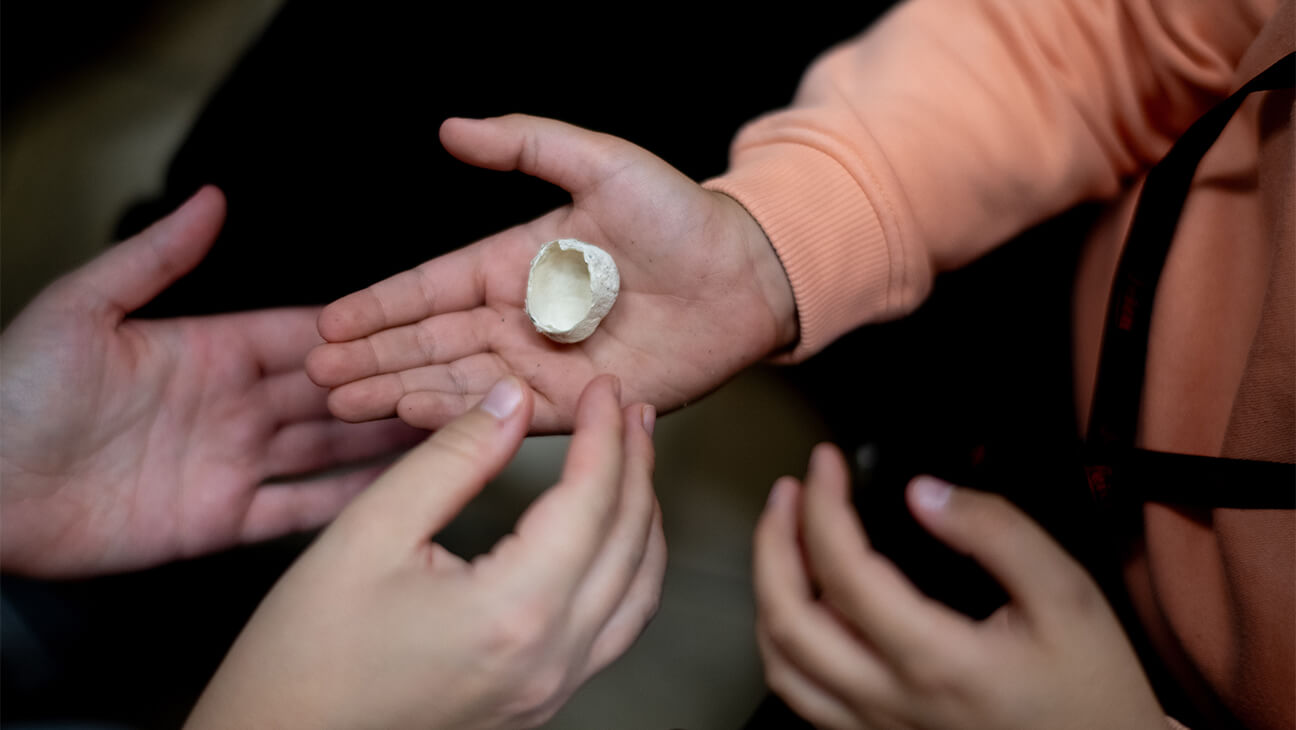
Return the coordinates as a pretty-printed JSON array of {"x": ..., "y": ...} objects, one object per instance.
[
  {"x": 1116, "y": 468},
  {"x": 1208, "y": 481}
]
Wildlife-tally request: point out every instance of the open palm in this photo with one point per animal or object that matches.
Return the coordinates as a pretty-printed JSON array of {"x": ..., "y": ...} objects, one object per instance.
[
  {"x": 127, "y": 443},
  {"x": 702, "y": 293}
]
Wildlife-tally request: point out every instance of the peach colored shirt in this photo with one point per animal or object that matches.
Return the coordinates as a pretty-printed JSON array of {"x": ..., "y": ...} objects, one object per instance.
[{"x": 952, "y": 125}]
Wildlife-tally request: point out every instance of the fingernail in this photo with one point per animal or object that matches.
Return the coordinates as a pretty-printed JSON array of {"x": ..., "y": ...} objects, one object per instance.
[
  {"x": 503, "y": 398},
  {"x": 931, "y": 494},
  {"x": 649, "y": 419}
]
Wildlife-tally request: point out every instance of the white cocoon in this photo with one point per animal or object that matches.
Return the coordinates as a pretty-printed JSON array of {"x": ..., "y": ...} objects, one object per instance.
[{"x": 571, "y": 288}]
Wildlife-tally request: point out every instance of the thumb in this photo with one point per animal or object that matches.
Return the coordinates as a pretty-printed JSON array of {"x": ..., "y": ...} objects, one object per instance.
[
  {"x": 570, "y": 157},
  {"x": 425, "y": 489},
  {"x": 1030, "y": 565},
  {"x": 134, "y": 271}
]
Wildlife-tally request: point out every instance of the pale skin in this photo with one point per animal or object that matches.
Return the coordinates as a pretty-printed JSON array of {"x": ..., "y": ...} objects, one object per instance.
[
  {"x": 703, "y": 296},
  {"x": 377, "y": 625},
  {"x": 128, "y": 443}
]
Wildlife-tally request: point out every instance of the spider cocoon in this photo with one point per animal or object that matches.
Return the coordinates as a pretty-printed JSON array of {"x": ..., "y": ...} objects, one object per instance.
[{"x": 571, "y": 288}]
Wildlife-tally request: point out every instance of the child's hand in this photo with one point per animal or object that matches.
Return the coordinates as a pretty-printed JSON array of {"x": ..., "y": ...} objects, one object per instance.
[
  {"x": 378, "y": 626},
  {"x": 702, "y": 292},
  {"x": 848, "y": 642}
]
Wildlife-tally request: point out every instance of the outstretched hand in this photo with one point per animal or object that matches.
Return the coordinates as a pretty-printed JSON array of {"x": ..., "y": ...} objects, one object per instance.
[
  {"x": 128, "y": 443},
  {"x": 703, "y": 294}
]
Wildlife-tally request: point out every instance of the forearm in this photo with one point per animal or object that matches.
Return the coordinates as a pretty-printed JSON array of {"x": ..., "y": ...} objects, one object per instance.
[{"x": 951, "y": 126}]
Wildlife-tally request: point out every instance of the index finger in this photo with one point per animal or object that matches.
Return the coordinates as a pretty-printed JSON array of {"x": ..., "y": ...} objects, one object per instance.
[
  {"x": 279, "y": 339},
  {"x": 452, "y": 282},
  {"x": 1031, "y": 566},
  {"x": 868, "y": 590},
  {"x": 565, "y": 530}
]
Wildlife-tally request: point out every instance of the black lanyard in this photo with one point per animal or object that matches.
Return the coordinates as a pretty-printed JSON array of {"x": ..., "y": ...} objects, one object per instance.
[{"x": 1118, "y": 472}]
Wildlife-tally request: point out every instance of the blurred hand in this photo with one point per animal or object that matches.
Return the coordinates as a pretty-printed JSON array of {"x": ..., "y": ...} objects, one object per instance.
[
  {"x": 127, "y": 443},
  {"x": 848, "y": 642},
  {"x": 702, "y": 292},
  {"x": 378, "y": 626}
]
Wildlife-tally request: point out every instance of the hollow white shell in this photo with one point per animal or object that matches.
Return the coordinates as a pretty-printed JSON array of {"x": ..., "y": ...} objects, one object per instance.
[{"x": 571, "y": 288}]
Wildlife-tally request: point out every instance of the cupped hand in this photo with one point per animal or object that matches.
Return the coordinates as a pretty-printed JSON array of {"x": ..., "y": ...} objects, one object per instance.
[
  {"x": 376, "y": 625},
  {"x": 702, "y": 292},
  {"x": 128, "y": 443},
  {"x": 849, "y": 642}
]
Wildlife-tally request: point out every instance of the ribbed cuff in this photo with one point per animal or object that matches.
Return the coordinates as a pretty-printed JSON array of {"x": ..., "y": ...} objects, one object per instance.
[{"x": 826, "y": 233}]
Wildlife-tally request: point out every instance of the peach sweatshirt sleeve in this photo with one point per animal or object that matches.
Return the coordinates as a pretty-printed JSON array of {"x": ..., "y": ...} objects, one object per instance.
[{"x": 952, "y": 125}]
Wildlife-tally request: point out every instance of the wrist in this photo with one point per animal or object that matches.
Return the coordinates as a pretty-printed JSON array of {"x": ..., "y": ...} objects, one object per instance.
[{"x": 771, "y": 278}]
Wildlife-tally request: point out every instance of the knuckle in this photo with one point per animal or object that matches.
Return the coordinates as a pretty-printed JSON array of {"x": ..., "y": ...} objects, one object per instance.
[
  {"x": 992, "y": 510},
  {"x": 777, "y": 676},
  {"x": 950, "y": 679},
  {"x": 458, "y": 378},
  {"x": 426, "y": 340},
  {"x": 426, "y": 285},
  {"x": 997, "y": 520},
  {"x": 840, "y": 588},
  {"x": 319, "y": 364},
  {"x": 779, "y": 628},
  {"x": 458, "y": 440},
  {"x": 529, "y": 154},
  {"x": 1077, "y": 593},
  {"x": 651, "y": 605},
  {"x": 537, "y": 697},
  {"x": 518, "y": 632},
  {"x": 932, "y": 677},
  {"x": 954, "y": 683}
]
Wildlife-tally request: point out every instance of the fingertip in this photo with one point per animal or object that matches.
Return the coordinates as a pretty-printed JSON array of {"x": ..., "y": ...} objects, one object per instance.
[
  {"x": 781, "y": 492},
  {"x": 505, "y": 398},
  {"x": 928, "y": 495},
  {"x": 640, "y": 455},
  {"x": 206, "y": 208},
  {"x": 781, "y": 506},
  {"x": 365, "y": 400},
  {"x": 602, "y": 392},
  {"x": 208, "y": 198},
  {"x": 339, "y": 405},
  {"x": 213, "y": 191},
  {"x": 131, "y": 273},
  {"x": 322, "y": 366},
  {"x": 471, "y": 141},
  {"x": 827, "y": 469},
  {"x": 823, "y": 454},
  {"x": 639, "y": 419},
  {"x": 336, "y": 321},
  {"x": 449, "y": 125},
  {"x": 611, "y": 382},
  {"x": 776, "y": 531}
]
